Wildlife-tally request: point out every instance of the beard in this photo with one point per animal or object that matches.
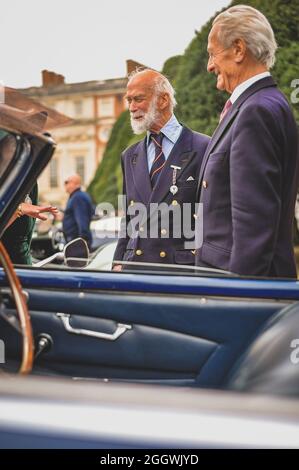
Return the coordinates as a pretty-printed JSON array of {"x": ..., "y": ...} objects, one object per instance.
[{"x": 146, "y": 120}]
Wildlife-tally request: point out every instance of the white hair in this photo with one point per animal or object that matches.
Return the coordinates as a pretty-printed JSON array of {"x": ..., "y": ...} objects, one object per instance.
[
  {"x": 161, "y": 85},
  {"x": 249, "y": 24}
]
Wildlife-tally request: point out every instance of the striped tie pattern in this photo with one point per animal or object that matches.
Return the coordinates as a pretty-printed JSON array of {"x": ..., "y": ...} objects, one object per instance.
[
  {"x": 225, "y": 110},
  {"x": 159, "y": 161}
]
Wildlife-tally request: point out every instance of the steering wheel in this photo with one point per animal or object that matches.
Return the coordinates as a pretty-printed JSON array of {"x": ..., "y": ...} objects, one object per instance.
[{"x": 22, "y": 311}]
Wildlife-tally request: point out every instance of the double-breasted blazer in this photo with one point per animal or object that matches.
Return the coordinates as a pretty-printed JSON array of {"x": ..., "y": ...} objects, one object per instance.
[{"x": 139, "y": 245}]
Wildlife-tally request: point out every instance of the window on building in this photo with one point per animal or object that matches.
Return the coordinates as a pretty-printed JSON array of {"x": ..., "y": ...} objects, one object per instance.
[
  {"x": 78, "y": 107},
  {"x": 54, "y": 173},
  {"x": 80, "y": 168},
  {"x": 105, "y": 134},
  {"x": 106, "y": 107}
]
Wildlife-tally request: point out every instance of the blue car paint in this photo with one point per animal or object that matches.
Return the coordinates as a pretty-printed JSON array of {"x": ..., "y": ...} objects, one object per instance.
[{"x": 154, "y": 283}]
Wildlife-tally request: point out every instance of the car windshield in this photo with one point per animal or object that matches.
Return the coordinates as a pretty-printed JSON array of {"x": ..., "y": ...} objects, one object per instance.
[
  {"x": 48, "y": 244},
  {"x": 102, "y": 260}
]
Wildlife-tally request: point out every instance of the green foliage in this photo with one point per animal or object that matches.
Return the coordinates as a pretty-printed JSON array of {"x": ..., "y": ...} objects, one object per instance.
[
  {"x": 286, "y": 72},
  {"x": 283, "y": 16},
  {"x": 171, "y": 68},
  {"x": 199, "y": 102},
  {"x": 107, "y": 182}
]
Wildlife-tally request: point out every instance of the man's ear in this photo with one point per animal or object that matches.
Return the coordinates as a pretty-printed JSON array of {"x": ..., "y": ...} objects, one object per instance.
[
  {"x": 239, "y": 49},
  {"x": 164, "y": 101}
]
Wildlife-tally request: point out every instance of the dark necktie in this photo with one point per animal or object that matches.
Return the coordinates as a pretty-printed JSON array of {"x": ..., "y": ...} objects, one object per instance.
[
  {"x": 159, "y": 161},
  {"x": 225, "y": 110}
]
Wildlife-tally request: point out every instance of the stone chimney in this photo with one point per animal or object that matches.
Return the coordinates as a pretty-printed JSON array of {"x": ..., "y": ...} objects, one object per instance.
[{"x": 51, "y": 79}]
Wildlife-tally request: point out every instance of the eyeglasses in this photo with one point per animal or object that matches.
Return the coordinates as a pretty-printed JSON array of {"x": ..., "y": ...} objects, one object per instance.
[{"x": 211, "y": 55}]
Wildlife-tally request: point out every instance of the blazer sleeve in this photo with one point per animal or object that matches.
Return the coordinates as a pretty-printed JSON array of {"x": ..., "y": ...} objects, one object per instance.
[{"x": 256, "y": 175}]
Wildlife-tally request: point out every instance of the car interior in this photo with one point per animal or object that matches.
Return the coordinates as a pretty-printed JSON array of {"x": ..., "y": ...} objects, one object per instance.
[{"x": 182, "y": 340}]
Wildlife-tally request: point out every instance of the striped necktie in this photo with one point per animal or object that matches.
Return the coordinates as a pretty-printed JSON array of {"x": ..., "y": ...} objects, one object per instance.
[
  {"x": 159, "y": 160},
  {"x": 225, "y": 110}
]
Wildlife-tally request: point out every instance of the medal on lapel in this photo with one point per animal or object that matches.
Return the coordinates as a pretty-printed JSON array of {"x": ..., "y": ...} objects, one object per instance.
[{"x": 173, "y": 188}]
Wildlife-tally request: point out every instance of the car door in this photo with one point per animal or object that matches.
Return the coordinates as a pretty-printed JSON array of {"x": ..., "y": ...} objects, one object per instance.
[{"x": 169, "y": 329}]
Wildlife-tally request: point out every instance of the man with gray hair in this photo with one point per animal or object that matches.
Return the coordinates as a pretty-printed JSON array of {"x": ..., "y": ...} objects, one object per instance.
[
  {"x": 161, "y": 169},
  {"x": 249, "y": 176}
]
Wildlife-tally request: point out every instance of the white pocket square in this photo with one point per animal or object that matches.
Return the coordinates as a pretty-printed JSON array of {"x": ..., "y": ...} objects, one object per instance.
[{"x": 190, "y": 178}]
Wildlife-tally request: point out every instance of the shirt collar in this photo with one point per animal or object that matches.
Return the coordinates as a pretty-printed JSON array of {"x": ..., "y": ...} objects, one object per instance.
[
  {"x": 75, "y": 190},
  {"x": 171, "y": 130},
  {"x": 244, "y": 85}
]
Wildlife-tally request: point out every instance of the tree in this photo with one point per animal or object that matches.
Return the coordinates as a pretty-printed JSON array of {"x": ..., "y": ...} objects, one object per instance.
[{"x": 199, "y": 102}]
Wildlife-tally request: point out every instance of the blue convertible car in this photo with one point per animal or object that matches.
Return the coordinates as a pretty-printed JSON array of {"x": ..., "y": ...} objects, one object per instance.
[{"x": 146, "y": 359}]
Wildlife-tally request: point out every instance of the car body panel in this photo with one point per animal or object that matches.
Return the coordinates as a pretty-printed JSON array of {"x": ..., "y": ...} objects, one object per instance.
[
  {"x": 52, "y": 413},
  {"x": 159, "y": 283}
]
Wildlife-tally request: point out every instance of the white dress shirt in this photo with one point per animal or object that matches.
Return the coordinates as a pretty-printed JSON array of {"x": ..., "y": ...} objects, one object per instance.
[
  {"x": 172, "y": 131},
  {"x": 243, "y": 86}
]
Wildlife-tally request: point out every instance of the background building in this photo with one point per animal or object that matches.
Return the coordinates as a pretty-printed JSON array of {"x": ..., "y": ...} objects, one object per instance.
[{"x": 94, "y": 107}]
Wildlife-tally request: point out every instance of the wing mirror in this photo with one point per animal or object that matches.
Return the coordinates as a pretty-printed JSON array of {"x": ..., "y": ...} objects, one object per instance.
[{"x": 75, "y": 255}]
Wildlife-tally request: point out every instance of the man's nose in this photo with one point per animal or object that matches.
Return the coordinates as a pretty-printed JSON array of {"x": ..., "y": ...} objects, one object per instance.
[
  {"x": 210, "y": 66},
  {"x": 132, "y": 107}
]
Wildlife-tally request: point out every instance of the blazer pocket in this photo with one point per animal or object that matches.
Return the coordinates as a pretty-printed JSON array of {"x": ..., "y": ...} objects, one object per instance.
[{"x": 188, "y": 184}]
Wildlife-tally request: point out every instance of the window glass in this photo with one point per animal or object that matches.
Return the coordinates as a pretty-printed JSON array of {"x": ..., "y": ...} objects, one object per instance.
[{"x": 106, "y": 107}]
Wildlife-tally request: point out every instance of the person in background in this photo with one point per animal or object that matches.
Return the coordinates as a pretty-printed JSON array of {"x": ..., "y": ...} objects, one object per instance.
[{"x": 78, "y": 212}]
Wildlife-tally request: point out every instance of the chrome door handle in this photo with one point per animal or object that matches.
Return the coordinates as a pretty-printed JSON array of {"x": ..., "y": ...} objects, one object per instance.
[{"x": 120, "y": 330}]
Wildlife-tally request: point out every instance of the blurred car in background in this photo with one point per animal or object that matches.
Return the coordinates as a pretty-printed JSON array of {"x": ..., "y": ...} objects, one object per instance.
[
  {"x": 47, "y": 238},
  {"x": 104, "y": 230},
  {"x": 48, "y": 235}
]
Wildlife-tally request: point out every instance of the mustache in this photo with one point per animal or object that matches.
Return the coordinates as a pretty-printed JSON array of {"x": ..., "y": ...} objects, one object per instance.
[{"x": 137, "y": 115}]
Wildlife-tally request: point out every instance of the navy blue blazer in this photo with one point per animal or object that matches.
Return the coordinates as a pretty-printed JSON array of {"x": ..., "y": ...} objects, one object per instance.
[
  {"x": 138, "y": 245},
  {"x": 77, "y": 217},
  {"x": 248, "y": 184}
]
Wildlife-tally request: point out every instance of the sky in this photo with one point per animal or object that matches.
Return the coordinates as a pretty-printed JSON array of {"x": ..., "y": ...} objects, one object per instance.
[{"x": 91, "y": 39}]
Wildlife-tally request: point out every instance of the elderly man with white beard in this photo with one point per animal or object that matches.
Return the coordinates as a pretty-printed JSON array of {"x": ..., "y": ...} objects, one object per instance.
[{"x": 160, "y": 176}]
